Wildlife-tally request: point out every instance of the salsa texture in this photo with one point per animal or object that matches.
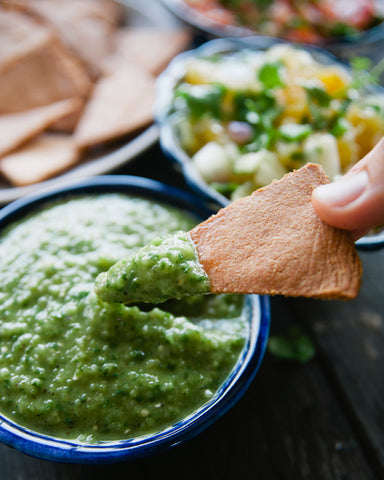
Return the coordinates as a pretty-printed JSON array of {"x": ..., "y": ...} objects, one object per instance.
[
  {"x": 168, "y": 267},
  {"x": 76, "y": 367},
  {"x": 309, "y": 21}
]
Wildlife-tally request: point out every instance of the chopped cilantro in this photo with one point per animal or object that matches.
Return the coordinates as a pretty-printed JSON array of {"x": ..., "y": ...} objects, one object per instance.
[
  {"x": 261, "y": 111},
  {"x": 340, "y": 126},
  {"x": 317, "y": 95},
  {"x": 270, "y": 75},
  {"x": 341, "y": 29},
  {"x": 297, "y": 155},
  {"x": 263, "y": 140},
  {"x": 364, "y": 73},
  {"x": 361, "y": 64},
  {"x": 262, "y": 103},
  {"x": 262, "y": 4},
  {"x": 318, "y": 105},
  {"x": 202, "y": 99},
  {"x": 295, "y": 345},
  {"x": 293, "y": 132},
  {"x": 225, "y": 188},
  {"x": 214, "y": 58}
]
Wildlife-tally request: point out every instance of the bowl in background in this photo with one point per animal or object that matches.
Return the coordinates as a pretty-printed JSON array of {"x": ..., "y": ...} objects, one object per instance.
[
  {"x": 362, "y": 43},
  {"x": 258, "y": 315},
  {"x": 168, "y": 116},
  {"x": 374, "y": 241}
]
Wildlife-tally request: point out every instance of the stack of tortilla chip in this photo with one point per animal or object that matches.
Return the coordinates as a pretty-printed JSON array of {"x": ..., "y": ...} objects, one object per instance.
[{"x": 73, "y": 76}]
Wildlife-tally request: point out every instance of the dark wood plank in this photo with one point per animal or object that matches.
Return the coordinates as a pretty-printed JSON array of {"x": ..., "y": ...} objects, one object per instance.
[{"x": 350, "y": 337}]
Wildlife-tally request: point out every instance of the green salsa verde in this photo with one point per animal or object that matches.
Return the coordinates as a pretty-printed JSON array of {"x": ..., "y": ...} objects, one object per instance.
[
  {"x": 168, "y": 267},
  {"x": 76, "y": 367}
]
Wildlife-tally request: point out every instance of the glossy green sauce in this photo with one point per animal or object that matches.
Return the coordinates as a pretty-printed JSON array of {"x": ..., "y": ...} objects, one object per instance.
[
  {"x": 168, "y": 267},
  {"x": 76, "y": 367}
]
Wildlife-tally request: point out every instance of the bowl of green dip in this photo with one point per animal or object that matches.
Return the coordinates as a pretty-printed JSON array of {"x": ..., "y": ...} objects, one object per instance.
[{"x": 86, "y": 381}]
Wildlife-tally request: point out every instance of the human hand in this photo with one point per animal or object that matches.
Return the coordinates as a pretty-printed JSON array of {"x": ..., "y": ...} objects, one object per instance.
[{"x": 356, "y": 201}]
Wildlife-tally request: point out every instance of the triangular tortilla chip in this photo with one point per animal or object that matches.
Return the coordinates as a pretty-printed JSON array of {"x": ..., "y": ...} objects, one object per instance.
[
  {"x": 17, "y": 128},
  {"x": 148, "y": 48},
  {"x": 40, "y": 159},
  {"x": 44, "y": 75},
  {"x": 87, "y": 27},
  {"x": 121, "y": 103},
  {"x": 273, "y": 242},
  {"x": 19, "y": 35},
  {"x": 67, "y": 124}
]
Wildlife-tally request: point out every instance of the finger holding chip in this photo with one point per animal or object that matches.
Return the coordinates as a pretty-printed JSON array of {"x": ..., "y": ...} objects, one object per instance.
[{"x": 271, "y": 242}]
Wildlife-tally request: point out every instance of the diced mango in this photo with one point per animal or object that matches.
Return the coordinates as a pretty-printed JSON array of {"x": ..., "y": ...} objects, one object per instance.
[
  {"x": 293, "y": 99},
  {"x": 369, "y": 126},
  {"x": 348, "y": 151},
  {"x": 334, "y": 79}
]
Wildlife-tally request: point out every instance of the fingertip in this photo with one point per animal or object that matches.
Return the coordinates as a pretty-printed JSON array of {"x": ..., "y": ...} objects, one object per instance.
[
  {"x": 321, "y": 205},
  {"x": 342, "y": 192}
]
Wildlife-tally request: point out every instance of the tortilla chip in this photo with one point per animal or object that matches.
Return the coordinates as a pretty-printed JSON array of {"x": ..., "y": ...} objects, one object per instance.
[
  {"x": 40, "y": 159},
  {"x": 273, "y": 242},
  {"x": 17, "y": 128},
  {"x": 19, "y": 35},
  {"x": 149, "y": 49},
  {"x": 121, "y": 103},
  {"x": 68, "y": 123},
  {"x": 44, "y": 75},
  {"x": 86, "y": 27}
]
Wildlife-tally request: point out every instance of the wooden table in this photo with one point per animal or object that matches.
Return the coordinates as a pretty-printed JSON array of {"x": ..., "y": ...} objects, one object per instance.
[{"x": 321, "y": 420}]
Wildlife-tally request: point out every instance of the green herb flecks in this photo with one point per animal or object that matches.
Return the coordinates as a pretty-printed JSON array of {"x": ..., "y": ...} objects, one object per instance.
[
  {"x": 261, "y": 111},
  {"x": 292, "y": 132},
  {"x": 202, "y": 99},
  {"x": 270, "y": 75},
  {"x": 225, "y": 188},
  {"x": 294, "y": 346},
  {"x": 364, "y": 73},
  {"x": 327, "y": 112}
]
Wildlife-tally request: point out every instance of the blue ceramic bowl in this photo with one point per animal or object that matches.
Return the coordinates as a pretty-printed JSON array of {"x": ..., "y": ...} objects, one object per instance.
[
  {"x": 51, "y": 448},
  {"x": 169, "y": 141}
]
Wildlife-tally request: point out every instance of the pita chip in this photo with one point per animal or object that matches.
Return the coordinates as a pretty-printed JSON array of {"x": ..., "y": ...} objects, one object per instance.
[
  {"x": 67, "y": 123},
  {"x": 17, "y": 128},
  {"x": 86, "y": 27},
  {"x": 273, "y": 242},
  {"x": 40, "y": 159},
  {"x": 43, "y": 75},
  {"x": 121, "y": 103},
  {"x": 19, "y": 35},
  {"x": 148, "y": 48}
]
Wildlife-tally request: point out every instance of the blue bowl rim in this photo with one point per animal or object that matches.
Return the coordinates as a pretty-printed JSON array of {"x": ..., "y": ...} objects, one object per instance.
[
  {"x": 215, "y": 29},
  {"x": 168, "y": 142},
  {"x": 55, "y": 449}
]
